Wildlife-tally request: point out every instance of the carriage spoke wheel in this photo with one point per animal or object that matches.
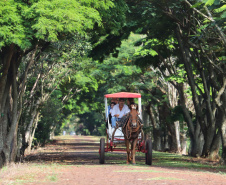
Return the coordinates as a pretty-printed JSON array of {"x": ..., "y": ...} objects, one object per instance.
[
  {"x": 102, "y": 150},
  {"x": 148, "y": 154}
]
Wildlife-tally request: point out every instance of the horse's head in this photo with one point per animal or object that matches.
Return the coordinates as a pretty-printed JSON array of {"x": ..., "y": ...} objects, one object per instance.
[{"x": 134, "y": 115}]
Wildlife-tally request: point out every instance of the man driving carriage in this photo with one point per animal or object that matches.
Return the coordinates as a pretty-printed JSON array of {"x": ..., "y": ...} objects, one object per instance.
[{"x": 119, "y": 111}]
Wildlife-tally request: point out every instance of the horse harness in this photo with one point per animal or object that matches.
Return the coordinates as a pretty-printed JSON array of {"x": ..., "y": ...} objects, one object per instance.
[{"x": 129, "y": 129}]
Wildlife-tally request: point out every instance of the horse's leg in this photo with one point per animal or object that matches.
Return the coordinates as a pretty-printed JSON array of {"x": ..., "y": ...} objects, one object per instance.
[
  {"x": 128, "y": 151},
  {"x": 131, "y": 154},
  {"x": 133, "y": 150}
]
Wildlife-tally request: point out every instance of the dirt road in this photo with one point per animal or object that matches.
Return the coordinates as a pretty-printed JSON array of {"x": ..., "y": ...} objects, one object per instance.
[
  {"x": 82, "y": 154},
  {"x": 75, "y": 160}
]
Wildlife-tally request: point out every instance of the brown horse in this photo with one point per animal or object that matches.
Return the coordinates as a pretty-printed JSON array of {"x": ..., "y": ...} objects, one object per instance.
[{"x": 131, "y": 130}]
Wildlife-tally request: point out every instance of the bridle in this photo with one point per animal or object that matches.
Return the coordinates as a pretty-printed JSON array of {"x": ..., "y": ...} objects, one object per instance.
[
  {"x": 132, "y": 126},
  {"x": 133, "y": 121}
]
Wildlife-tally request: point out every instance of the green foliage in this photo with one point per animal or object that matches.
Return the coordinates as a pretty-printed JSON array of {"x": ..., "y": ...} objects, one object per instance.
[
  {"x": 209, "y": 2},
  {"x": 52, "y": 17},
  {"x": 92, "y": 80},
  {"x": 102, "y": 129},
  {"x": 50, "y": 120},
  {"x": 145, "y": 52},
  {"x": 69, "y": 123},
  {"x": 148, "y": 129},
  {"x": 90, "y": 123},
  {"x": 176, "y": 115},
  {"x": 115, "y": 73},
  {"x": 11, "y": 26},
  {"x": 180, "y": 77},
  {"x": 107, "y": 38},
  {"x": 221, "y": 9},
  {"x": 22, "y": 22}
]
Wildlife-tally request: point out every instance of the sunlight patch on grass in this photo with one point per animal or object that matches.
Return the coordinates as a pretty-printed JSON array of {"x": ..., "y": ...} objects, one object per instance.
[
  {"x": 52, "y": 178},
  {"x": 116, "y": 161},
  {"x": 149, "y": 171},
  {"x": 164, "y": 159},
  {"x": 25, "y": 178},
  {"x": 27, "y": 173},
  {"x": 161, "y": 178},
  {"x": 222, "y": 173}
]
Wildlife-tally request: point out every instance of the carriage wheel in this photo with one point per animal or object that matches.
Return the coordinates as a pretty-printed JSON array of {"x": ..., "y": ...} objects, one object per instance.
[
  {"x": 148, "y": 154},
  {"x": 102, "y": 150}
]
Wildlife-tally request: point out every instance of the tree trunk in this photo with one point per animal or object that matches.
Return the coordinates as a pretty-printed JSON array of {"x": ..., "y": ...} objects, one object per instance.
[
  {"x": 146, "y": 123},
  {"x": 27, "y": 136},
  {"x": 157, "y": 144},
  {"x": 209, "y": 116},
  {"x": 7, "y": 57},
  {"x": 32, "y": 133},
  {"x": 12, "y": 121},
  {"x": 187, "y": 63},
  {"x": 177, "y": 131},
  {"x": 3, "y": 134},
  {"x": 164, "y": 111},
  {"x": 157, "y": 132},
  {"x": 223, "y": 134},
  {"x": 13, "y": 151},
  {"x": 209, "y": 138},
  {"x": 206, "y": 121},
  {"x": 197, "y": 142},
  {"x": 4, "y": 100},
  {"x": 183, "y": 139},
  {"x": 51, "y": 135},
  {"x": 214, "y": 150}
]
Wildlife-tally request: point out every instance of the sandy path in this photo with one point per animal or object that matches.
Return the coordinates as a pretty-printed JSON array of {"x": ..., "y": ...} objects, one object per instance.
[{"x": 81, "y": 160}]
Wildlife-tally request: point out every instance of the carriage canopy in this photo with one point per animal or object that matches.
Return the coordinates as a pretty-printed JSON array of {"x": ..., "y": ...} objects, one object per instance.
[{"x": 124, "y": 95}]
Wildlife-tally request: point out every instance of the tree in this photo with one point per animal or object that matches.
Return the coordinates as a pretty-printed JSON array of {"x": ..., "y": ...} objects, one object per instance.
[
  {"x": 192, "y": 35},
  {"x": 49, "y": 123},
  {"x": 28, "y": 28},
  {"x": 197, "y": 51}
]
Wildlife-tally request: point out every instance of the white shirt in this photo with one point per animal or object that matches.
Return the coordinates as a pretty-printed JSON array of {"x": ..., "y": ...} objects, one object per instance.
[{"x": 116, "y": 110}]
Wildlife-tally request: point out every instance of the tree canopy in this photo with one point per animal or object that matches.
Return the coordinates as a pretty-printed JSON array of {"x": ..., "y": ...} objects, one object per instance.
[{"x": 59, "y": 57}]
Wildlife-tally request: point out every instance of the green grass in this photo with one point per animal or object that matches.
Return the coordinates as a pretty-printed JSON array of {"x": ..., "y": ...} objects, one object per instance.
[
  {"x": 174, "y": 160},
  {"x": 163, "y": 159},
  {"x": 161, "y": 178},
  {"x": 28, "y": 173},
  {"x": 52, "y": 178},
  {"x": 140, "y": 170}
]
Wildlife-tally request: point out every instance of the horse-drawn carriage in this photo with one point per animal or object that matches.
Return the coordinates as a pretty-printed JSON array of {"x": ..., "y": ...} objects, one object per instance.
[{"x": 128, "y": 133}]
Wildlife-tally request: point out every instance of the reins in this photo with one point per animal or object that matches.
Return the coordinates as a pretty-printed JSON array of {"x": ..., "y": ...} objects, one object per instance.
[{"x": 129, "y": 129}]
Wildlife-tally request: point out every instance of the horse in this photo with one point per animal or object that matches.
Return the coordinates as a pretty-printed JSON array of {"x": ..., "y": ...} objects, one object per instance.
[{"x": 132, "y": 127}]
